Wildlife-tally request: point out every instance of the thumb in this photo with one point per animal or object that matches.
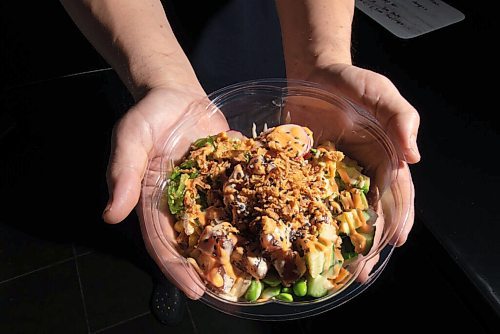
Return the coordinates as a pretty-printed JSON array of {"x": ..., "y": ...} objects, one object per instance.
[
  {"x": 379, "y": 95},
  {"x": 127, "y": 164},
  {"x": 401, "y": 121},
  {"x": 399, "y": 118}
]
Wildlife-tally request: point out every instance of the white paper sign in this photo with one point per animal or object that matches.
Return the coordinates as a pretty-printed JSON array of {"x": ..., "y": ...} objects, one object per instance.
[{"x": 410, "y": 18}]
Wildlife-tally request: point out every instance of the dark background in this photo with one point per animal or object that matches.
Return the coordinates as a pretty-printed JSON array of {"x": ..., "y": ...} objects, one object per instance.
[{"x": 62, "y": 270}]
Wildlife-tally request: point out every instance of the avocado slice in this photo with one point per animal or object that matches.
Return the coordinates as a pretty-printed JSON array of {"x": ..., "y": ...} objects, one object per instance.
[
  {"x": 363, "y": 199},
  {"x": 369, "y": 241}
]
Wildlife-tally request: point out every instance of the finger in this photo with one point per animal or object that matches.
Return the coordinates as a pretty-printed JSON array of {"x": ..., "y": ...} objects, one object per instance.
[
  {"x": 127, "y": 164},
  {"x": 381, "y": 98},
  {"x": 397, "y": 116},
  {"x": 406, "y": 188},
  {"x": 407, "y": 228},
  {"x": 401, "y": 121},
  {"x": 185, "y": 278},
  {"x": 411, "y": 219},
  {"x": 175, "y": 268},
  {"x": 159, "y": 240},
  {"x": 365, "y": 273}
]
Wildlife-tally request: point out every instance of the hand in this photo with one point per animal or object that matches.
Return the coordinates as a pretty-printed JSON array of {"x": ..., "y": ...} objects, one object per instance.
[
  {"x": 138, "y": 138},
  {"x": 378, "y": 95},
  {"x": 399, "y": 119}
]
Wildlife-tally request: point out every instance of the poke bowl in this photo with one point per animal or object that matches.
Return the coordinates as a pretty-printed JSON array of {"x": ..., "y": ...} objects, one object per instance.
[{"x": 274, "y": 200}]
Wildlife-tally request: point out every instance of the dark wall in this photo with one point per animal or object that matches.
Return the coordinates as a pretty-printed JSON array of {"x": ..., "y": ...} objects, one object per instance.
[{"x": 39, "y": 41}]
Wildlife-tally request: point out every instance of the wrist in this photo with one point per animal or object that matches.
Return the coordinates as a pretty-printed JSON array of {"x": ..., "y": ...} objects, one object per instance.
[
  {"x": 303, "y": 65},
  {"x": 160, "y": 70},
  {"x": 315, "y": 34}
]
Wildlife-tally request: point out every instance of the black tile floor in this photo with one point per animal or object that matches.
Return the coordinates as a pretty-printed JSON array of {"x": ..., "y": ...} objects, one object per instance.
[
  {"x": 48, "y": 299},
  {"x": 62, "y": 270}
]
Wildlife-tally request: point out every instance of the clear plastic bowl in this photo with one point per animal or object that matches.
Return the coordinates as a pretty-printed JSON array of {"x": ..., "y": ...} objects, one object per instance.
[{"x": 273, "y": 102}]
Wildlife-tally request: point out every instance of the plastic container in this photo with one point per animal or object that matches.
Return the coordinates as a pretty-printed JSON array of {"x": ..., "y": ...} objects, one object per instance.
[{"x": 354, "y": 131}]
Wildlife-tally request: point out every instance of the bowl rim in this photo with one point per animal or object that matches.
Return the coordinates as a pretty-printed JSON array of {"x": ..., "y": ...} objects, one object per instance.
[{"x": 284, "y": 86}]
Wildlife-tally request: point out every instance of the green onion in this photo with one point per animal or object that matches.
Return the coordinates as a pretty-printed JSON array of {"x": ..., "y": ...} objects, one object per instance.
[
  {"x": 175, "y": 192},
  {"x": 204, "y": 141}
]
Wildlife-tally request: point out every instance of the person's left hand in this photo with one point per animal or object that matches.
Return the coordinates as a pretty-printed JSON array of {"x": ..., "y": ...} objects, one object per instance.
[
  {"x": 139, "y": 161},
  {"x": 378, "y": 95}
]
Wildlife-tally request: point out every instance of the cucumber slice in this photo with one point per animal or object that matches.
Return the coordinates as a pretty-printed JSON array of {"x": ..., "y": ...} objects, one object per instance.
[
  {"x": 330, "y": 273},
  {"x": 333, "y": 259},
  {"x": 330, "y": 260},
  {"x": 358, "y": 179},
  {"x": 315, "y": 262},
  {"x": 366, "y": 215},
  {"x": 370, "y": 216},
  {"x": 364, "y": 183},
  {"x": 363, "y": 199},
  {"x": 317, "y": 286},
  {"x": 354, "y": 175}
]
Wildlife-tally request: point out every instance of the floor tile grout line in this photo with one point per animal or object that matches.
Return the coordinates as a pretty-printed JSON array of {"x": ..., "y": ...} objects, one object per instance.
[
  {"x": 38, "y": 269},
  {"x": 195, "y": 329},
  {"x": 53, "y": 264},
  {"x": 80, "y": 285},
  {"x": 83, "y": 254},
  {"x": 121, "y": 322}
]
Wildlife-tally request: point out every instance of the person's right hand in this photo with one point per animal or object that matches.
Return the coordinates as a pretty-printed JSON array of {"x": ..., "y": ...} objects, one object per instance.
[{"x": 138, "y": 140}]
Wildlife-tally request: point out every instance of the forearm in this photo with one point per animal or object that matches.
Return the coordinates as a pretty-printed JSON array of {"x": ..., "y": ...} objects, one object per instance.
[
  {"x": 315, "y": 33},
  {"x": 136, "y": 39}
]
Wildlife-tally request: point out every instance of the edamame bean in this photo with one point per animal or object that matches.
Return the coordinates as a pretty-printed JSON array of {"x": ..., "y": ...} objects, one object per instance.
[
  {"x": 253, "y": 291},
  {"x": 270, "y": 292},
  {"x": 286, "y": 297},
  {"x": 300, "y": 288},
  {"x": 271, "y": 281},
  {"x": 286, "y": 290}
]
